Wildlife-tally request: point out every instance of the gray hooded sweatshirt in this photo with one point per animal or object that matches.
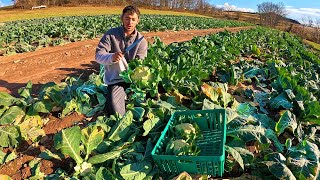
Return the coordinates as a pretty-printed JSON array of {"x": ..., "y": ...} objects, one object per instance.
[{"x": 114, "y": 41}]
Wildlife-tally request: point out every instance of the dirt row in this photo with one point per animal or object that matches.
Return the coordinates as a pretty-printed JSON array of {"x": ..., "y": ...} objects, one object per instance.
[{"x": 73, "y": 59}]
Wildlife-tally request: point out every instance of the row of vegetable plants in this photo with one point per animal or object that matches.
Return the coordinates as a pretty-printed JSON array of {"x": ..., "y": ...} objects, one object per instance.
[
  {"x": 276, "y": 81},
  {"x": 267, "y": 80},
  {"x": 28, "y": 35}
]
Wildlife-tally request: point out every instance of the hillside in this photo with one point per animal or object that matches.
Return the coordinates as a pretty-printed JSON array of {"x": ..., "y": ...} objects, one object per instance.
[
  {"x": 13, "y": 14},
  {"x": 248, "y": 17},
  {"x": 286, "y": 24}
]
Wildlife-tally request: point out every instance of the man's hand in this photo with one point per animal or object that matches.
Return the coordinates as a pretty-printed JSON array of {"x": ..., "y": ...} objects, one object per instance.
[{"x": 117, "y": 56}]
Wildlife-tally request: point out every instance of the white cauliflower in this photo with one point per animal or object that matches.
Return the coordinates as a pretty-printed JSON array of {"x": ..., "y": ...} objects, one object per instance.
[
  {"x": 177, "y": 147},
  {"x": 83, "y": 168},
  {"x": 141, "y": 73},
  {"x": 185, "y": 128}
]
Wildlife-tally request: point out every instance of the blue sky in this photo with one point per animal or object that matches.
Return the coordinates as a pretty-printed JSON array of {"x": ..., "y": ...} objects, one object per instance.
[
  {"x": 5, "y": 2},
  {"x": 297, "y": 9}
]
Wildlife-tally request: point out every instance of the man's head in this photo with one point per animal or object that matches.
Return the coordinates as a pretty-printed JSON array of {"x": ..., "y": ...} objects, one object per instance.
[{"x": 130, "y": 17}]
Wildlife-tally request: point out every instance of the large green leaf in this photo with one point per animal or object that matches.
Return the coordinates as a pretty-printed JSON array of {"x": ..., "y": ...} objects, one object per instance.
[
  {"x": 122, "y": 127},
  {"x": 207, "y": 104},
  {"x": 14, "y": 113},
  {"x": 218, "y": 93},
  {"x": 304, "y": 160},
  {"x": 211, "y": 92},
  {"x": 6, "y": 157},
  {"x": 101, "y": 98},
  {"x": 136, "y": 171},
  {"x": 231, "y": 114},
  {"x": 272, "y": 136},
  {"x": 149, "y": 124},
  {"x": 313, "y": 113},
  {"x": 100, "y": 158},
  {"x": 302, "y": 168},
  {"x": 91, "y": 137},
  {"x": 246, "y": 155},
  {"x": 265, "y": 121},
  {"x": 279, "y": 170},
  {"x": 248, "y": 133},
  {"x": 165, "y": 105},
  {"x": 275, "y": 156},
  {"x": 33, "y": 133},
  {"x": 31, "y": 127},
  {"x": 262, "y": 99},
  {"x": 6, "y": 99},
  {"x": 35, "y": 165},
  {"x": 68, "y": 141},
  {"x": 2, "y": 110},
  {"x": 54, "y": 92},
  {"x": 84, "y": 92},
  {"x": 103, "y": 173},
  {"x": 138, "y": 113},
  {"x": 44, "y": 106},
  {"x": 47, "y": 154},
  {"x": 280, "y": 101},
  {"x": 246, "y": 109},
  {"x": 286, "y": 120},
  {"x": 236, "y": 155},
  {"x": 9, "y": 136},
  {"x": 226, "y": 98},
  {"x": 26, "y": 91},
  {"x": 149, "y": 148},
  {"x": 252, "y": 72},
  {"x": 5, "y": 177},
  {"x": 70, "y": 106}
]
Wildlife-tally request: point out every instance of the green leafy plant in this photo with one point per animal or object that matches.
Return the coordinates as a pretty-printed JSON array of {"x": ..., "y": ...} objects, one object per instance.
[{"x": 267, "y": 81}]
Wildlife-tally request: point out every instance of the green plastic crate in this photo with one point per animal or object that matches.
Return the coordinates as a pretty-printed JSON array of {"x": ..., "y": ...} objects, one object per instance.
[{"x": 210, "y": 161}]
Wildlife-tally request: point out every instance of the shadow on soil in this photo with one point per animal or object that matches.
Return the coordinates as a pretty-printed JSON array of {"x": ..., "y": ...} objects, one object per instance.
[
  {"x": 13, "y": 88},
  {"x": 84, "y": 72}
]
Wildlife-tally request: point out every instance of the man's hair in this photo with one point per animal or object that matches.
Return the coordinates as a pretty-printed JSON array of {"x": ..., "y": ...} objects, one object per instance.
[{"x": 131, "y": 10}]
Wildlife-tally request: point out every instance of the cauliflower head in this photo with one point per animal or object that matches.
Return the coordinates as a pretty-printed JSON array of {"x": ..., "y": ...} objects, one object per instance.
[
  {"x": 185, "y": 128},
  {"x": 177, "y": 147}
]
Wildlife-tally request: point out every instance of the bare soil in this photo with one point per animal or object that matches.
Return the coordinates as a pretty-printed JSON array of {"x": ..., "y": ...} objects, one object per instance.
[
  {"x": 73, "y": 59},
  {"x": 55, "y": 64},
  {"x": 19, "y": 168}
]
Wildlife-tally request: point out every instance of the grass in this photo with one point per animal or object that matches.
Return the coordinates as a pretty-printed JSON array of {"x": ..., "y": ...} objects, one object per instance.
[
  {"x": 313, "y": 44},
  {"x": 20, "y": 14}
]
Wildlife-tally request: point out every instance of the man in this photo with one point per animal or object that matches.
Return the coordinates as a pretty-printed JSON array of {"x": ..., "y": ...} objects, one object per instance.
[{"x": 109, "y": 52}]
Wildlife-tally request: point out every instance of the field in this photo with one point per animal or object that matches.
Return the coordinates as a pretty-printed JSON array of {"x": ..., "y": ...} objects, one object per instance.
[
  {"x": 266, "y": 80},
  {"x": 17, "y": 14},
  {"x": 313, "y": 44}
]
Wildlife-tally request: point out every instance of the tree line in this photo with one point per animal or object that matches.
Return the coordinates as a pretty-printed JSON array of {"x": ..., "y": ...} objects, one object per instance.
[{"x": 192, "y": 5}]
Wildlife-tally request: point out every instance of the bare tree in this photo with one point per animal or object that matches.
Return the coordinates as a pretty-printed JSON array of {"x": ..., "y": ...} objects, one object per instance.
[
  {"x": 310, "y": 21},
  {"x": 317, "y": 24},
  {"x": 271, "y": 13},
  {"x": 228, "y": 9},
  {"x": 304, "y": 20}
]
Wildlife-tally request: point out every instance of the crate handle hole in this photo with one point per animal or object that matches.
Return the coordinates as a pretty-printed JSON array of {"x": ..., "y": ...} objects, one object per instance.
[{"x": 185, "y": 161}]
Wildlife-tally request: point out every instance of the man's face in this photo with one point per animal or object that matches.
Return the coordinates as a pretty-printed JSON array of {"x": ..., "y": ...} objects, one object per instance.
[{"x": 130, "y": 21}]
